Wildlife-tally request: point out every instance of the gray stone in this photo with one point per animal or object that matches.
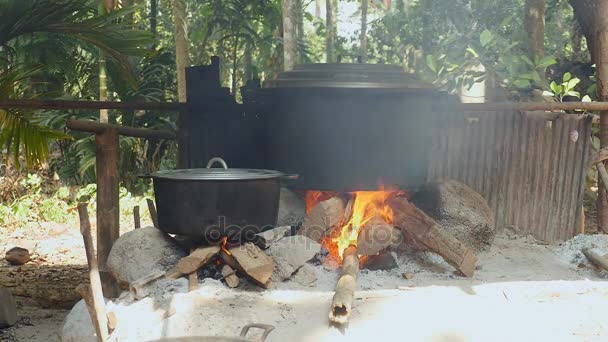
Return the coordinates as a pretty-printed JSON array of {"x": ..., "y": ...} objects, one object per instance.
[
  {"x": 292, "y": 208},
  {"x": 291, "y": 253},
  {"x": 8, "y": 309},
  {"x": 306, "y": 276},
  {"x": 141, "y": 252},
  {"x": 77, "y": 326},
  {"x": 460, "y": 210},
  {"x": 273, "y": 235}
]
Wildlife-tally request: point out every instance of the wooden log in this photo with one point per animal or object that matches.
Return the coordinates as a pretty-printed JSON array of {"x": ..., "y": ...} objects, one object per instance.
[
  {"x": 97, "y": 128},
  {"x": 596, "y": 259},
  {"x": 153, "y": 214},
  {"x": 229, "y": 275},
  {"x": 138, "y": 287},
  {"x": 108, "y": 214},
  {"x": 251, "y": 261},
  {"x": 136, "y": 217},
  {"x": 376, "y": 235},
  {"x": 193, "y": 281},
  {"x": 427, "y": 232},
  {"x": 342, "y": 302},
  {"x": 530, "y": 106},
  {"x": 197, "y": 259},
  {"x": 100, "y": 320},
  {"x": 84, "y": 290},
  {"x": 324, "y": 216}
]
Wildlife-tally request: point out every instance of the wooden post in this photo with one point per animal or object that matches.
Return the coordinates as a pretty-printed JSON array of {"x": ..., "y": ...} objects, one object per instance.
[
  {"x": 342, "y": 302},
  {"x": 153, "y": 213},
  {"x": 601, "y": 62},
  {"x": 100, "y": 320},
  {"x": 107, "y": 155},
  {"x": 136, "y": 218}
]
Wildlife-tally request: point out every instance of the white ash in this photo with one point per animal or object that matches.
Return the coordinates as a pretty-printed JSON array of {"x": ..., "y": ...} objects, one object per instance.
[{"x": 570, "y": 252}]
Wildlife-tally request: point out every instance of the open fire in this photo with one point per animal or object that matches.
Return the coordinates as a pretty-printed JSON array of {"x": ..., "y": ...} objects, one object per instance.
[{"x": 362, "y": 208}]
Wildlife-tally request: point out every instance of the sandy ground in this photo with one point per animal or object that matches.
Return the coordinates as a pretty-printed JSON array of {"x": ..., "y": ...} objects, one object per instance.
[{"x": 522, "y": 291}]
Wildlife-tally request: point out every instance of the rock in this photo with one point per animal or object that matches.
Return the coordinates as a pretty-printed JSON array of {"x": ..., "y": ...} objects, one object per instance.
[
  {"x": 230, "y": 277},
  {"x": 383, "y": 261},
  {"x": 306, "y": 276},
  {"x": 325, "y": 215},
  {"x": 274, "y": 235},
  {"x": 460, "y": 210},
  {"x": 292, "y": 208},
  {"x": 408, "y": 276},
  {"x": 77, "y": 326},
  {"x": 17, "y": 256},
  {"x": 291, "y": 253},
  {"x": 8, "y": 309},
  {"x": 141, "y": 252}
]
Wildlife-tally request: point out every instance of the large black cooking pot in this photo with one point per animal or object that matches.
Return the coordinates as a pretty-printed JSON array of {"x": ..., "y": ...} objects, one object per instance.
[
  {"x": 349, "y": 126},
  {"x": 213, "y": 203}
]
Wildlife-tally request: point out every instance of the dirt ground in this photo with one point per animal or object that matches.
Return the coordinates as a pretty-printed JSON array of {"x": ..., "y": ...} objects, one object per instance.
[{"x": 522, "y": 290}]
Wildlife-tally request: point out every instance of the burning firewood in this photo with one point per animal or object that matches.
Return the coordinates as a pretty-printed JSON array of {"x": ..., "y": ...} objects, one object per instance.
[
  {"x": 342, "y": 301},
  {"x": 324, "y": 216},
  {"x": 375, "y": 236},
  {"x": 427, "y": 232},
  {"x": 197, "y": 259},
  {"x": 251, "y": 261}
]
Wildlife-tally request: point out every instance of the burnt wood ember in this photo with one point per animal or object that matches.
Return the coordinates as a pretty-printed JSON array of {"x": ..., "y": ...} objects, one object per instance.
[
  {"x": 342, "y": 301},
  {"x": 251, "y": 261},
  {"x": 324, "y": 216},
  {"x": 427, "y": 232}
]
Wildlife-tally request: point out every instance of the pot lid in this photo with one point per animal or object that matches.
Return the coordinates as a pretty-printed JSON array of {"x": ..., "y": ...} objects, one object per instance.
[
  {"x": 218, "y": 174},
  {"x": 345, "y": 75}
]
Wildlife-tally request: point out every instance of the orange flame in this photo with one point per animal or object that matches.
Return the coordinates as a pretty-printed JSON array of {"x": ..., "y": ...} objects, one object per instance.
[
  {"x": 223, "y": 246},
  {"x": 366, "y": 205}
]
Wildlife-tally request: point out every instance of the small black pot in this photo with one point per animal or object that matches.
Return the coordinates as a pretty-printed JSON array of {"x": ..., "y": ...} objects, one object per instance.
[{"x": 213, "y": 203}]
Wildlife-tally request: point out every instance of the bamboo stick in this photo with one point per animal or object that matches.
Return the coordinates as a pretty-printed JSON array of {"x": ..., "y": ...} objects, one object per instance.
[
  {"x": 596, "y": 259},
  {"x": 342, "y": 301},
  {"x": 100, "y": 320},
  {"x": 136, "y": 218},
  {"x": 67, "y": 104}
]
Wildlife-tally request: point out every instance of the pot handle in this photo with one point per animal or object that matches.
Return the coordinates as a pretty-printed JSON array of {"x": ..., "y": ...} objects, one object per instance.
[
  {"x": 266, "y": 327},
  {"x": 217, "y": 160},
  {"x": 292, "y": 176}
]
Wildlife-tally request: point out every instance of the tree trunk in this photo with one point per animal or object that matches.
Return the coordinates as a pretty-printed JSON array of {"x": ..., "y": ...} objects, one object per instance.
[
  {"x": 235, "y": 65},
  {"x": 299, "y": 14},
  {"x": 153, "y": 19},
  {"x": 289, "y": 34},
  {"x": 363, "y": 52},
  {"x": 534, "y": 22},
  {"x": 181, "y": 46},
  {"x": 330, "y": 28},
  {"x": 248, "y": 63}
]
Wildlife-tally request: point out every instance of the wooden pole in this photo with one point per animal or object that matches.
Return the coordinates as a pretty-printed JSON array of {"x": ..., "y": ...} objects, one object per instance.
[
  {"x": 601, "y": 62},
  {"x": 342, "y": 302},
  {"x": 136, "y": 218},
  {"x": 96, "y": 127},
  {"x": 107, "y": 156},
  {"x": 529, "y": 106},
  {"x": 100, "y": 320},
  {"x": 65, "y": 104},
  {"x": 153, "y": 213}
]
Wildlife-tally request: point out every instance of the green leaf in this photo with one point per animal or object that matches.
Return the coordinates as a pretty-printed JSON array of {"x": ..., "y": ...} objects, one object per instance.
[
  {"x": 586, "y": 98},
  {"x": 472, "y": 52},
  {"x": 521, "y": 83},
  {"x": 572, "y": 83},
  {"x": 546, "y": 62},
  {"x": 573, "y": 93},
  {"x": 554, "y": 87},
  {"x": 485, "y": 37},
  {"x": 567, "y": 77},
  {"x": 548, "y": 93},
  {"x": 430, "y": 62}
]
